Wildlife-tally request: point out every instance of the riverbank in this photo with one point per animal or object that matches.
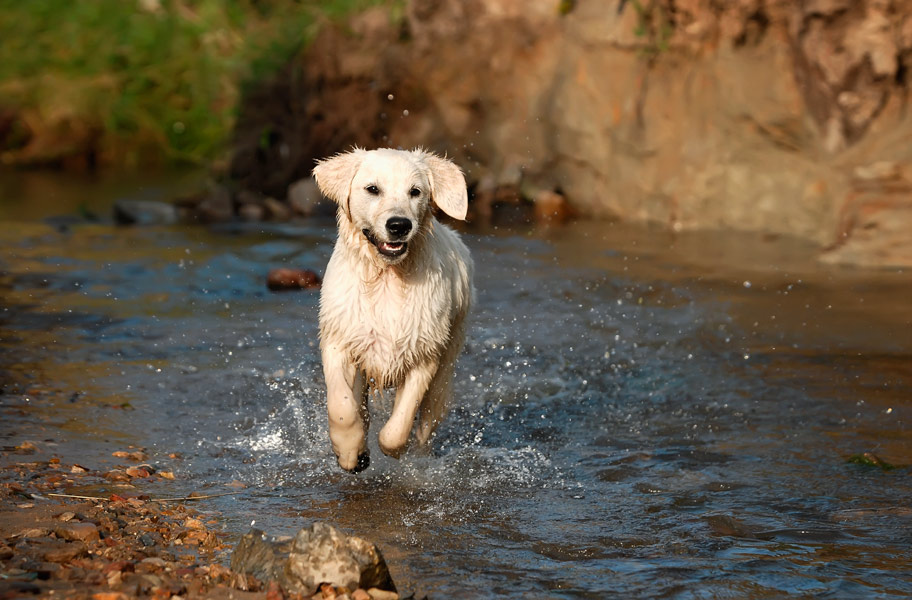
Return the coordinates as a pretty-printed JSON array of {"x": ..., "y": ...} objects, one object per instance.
[{"x": 72, "y": 532}]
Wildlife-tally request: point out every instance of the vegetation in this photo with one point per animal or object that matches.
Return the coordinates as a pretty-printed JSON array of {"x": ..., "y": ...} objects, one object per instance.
[{"x": 148, "y": 78}]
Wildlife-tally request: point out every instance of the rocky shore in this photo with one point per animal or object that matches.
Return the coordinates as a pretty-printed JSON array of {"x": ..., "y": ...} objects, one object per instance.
[{"x": 69, "y": 532}]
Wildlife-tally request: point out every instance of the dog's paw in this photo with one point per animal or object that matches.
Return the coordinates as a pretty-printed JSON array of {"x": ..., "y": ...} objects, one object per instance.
[{"x": 363, "y": 462}]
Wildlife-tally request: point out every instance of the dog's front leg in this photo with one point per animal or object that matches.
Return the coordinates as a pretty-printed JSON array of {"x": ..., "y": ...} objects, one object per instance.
[
  {"x": 394, "y": 435},
  {"x": 345, "y": 403}
]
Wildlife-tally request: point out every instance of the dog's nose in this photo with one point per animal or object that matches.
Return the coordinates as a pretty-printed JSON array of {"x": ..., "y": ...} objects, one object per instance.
[{"x": 398, "y": 227}]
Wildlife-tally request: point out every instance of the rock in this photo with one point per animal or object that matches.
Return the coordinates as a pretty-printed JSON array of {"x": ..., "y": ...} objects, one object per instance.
[
  {"x": 34, "y": 532},
  {"x": 252, "y": 213},
  {"x": 216, "y": 206},
  {"x": 65, "y": 552},
  {"x": 116, "y": 475},
  {"x": 82, "y": 532},
  {"x": 318, "y": 554},
  {"x": 109, "y": 596},
  {"x": 144, "y": 212},
  {"x": 874, "y": 227},
  {"x": 139, "y": 472},
  {"x": 322, "y": 553},
  {"x": 260, "y": 556},
  {"x": 551, "y": 207},
  {"x": 292, "y": 279},
  {"x": 135, "y": 455},
  {"x": 305, "y": 199},
  {"x": 275, "y": 210}
]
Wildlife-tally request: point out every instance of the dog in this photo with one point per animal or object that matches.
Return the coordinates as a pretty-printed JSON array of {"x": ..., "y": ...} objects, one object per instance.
[{"x": 395, "y": 295}]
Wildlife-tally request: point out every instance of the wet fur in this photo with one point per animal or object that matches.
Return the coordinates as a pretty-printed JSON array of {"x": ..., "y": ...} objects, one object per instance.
[{"x": 391, "y": 322}]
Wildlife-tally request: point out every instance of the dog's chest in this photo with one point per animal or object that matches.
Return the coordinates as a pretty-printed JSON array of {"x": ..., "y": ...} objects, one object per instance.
[{"x": 393, "y": 323}]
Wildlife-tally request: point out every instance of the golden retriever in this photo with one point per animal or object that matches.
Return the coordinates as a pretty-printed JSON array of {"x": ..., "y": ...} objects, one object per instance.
[{"x": 395, "y": 295}]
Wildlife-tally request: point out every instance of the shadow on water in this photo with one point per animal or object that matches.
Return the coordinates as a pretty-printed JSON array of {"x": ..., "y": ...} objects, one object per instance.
[{"x": 638, "y": 414}]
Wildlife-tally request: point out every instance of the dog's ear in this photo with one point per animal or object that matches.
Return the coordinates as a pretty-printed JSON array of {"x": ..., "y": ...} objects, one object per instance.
[
  {"x": 448, "y": 185},
  {"x": 334, "y": 176}
]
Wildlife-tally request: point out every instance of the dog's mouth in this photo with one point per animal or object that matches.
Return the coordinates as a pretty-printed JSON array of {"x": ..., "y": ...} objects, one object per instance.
[{"x": 387, "y": 249}]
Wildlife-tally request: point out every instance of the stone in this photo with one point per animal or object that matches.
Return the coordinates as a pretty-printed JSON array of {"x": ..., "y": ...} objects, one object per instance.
[
  {"x": 259, "y": 555},
  {"x": 144, "y": 212},
  {"x": 252, "y": 213},
  {"x": 305, "y": 199},
  {"x": 551, "y": 207},
  {"x": 292, "y": 279},
  {"x": 66, "y": 552},
  {"x": 276, "y": 210},
  {"x": 83, "y": 532},
  {"x": 216, "y": 206},
  {"x": 317, "y": 554}
]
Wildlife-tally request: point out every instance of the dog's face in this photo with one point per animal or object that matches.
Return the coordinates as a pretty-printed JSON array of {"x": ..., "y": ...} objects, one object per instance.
[{"x": 386, "y": 193}]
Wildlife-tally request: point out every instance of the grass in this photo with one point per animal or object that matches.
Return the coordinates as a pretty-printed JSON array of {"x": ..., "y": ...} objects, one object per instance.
[{"x": 156, "y": 78}]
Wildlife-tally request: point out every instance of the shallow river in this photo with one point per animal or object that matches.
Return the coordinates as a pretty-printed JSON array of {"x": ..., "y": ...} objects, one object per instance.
[{"x": 637, "y": 414}]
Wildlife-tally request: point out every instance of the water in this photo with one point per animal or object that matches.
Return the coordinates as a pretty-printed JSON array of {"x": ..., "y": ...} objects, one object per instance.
[{"x": 637, "y": 414}]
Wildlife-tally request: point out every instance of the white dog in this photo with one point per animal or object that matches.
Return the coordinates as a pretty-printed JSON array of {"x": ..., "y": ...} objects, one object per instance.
[{"x": 395, "y": 295}]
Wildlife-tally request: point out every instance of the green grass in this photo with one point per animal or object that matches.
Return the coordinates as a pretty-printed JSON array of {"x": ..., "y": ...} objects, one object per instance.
[{"x": 156, "y": 78}]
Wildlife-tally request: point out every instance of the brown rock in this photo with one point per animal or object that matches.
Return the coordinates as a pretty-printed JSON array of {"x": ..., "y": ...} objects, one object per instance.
[
  {"x": 276, "y": 210},
  {"x": 551, "y": 207},
  {"x": 135, "y": 455},
  {"x": 83, "y": 532},
  {"x": 116, "y": 475},
  {"x": 252, "y": 213},
  {"x": 318, "y": 554},
  {"x": 65, "y": 552},
  {"x": 109, "y": 596},
  {"x": 138, "y": 472},
  {"x": 216, "y": 207},
  {"x": 305, "y": 199},
  {"x": 292, "y": 279}
]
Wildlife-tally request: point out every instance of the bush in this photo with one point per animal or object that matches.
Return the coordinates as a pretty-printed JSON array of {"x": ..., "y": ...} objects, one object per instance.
[{"x": 156, "y": 78}]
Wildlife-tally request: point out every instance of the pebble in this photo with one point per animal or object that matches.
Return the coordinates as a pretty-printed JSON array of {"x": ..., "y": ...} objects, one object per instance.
[
  {"x": 65, "y": 552},
  {"x": 81, "y": 532},
  {"x": 138, "y": 472},
  {"x": 292, "y": 279}
]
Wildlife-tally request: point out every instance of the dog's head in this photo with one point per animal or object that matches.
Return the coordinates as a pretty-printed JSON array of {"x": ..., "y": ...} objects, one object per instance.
[{"x": 386, "y": 193}]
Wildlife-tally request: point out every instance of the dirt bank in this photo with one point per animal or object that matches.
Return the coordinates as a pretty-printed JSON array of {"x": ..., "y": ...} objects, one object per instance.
[{"x": 762, "y": 115}]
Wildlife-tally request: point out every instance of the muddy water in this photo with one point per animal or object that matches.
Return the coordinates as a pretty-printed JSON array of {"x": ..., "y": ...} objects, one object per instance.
[{"x": 637, "y": 415}]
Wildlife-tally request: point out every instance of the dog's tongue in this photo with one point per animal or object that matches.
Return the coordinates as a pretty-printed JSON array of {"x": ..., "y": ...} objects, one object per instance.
[{"x": 391, "y": 246}]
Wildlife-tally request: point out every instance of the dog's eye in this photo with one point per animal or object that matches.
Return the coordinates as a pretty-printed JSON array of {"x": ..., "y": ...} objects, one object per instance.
[
  {"x": 414, "y": 192},
  {"x": 373, "y": 190}
]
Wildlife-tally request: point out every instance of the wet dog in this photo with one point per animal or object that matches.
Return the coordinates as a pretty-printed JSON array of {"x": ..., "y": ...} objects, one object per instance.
[{"x": 395, "y": 295}]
